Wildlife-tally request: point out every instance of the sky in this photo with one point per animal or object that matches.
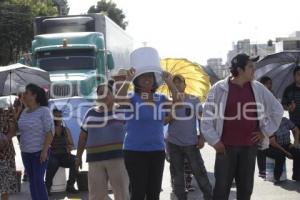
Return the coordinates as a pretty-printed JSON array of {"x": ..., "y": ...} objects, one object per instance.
[{"x": 202, "y": 29}]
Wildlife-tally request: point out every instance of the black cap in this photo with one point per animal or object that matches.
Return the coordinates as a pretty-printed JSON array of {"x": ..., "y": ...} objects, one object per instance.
[{"x": 241, "y": 60}]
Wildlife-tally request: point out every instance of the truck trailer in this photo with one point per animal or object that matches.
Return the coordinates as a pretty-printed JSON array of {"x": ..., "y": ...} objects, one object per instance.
[{"x": 79, "y": 52}]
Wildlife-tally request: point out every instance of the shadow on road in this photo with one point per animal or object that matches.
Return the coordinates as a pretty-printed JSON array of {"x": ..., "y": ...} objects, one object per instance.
[
  {"x": 63, "y": 195},
  {"x": 290, "y": 185}
]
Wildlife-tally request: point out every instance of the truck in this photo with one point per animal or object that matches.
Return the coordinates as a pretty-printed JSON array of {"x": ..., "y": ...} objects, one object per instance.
[{"x": 79, "y": 52}]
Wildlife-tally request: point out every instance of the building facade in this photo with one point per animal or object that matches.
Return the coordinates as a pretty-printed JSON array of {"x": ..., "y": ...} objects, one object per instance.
[
  {"x": 288, "y": 43},
  {"x": 245, "y": 46},
  {"x": 216, "y": 64}
]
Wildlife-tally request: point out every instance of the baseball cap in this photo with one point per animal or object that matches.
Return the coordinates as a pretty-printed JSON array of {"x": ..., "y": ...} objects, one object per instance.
[{"x": 241, "y": 60}]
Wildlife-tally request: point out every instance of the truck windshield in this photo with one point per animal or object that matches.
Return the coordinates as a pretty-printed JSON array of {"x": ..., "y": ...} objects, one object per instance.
[
  {"x": 68, "y": 24},
  {"x": 67, "y": 59}
]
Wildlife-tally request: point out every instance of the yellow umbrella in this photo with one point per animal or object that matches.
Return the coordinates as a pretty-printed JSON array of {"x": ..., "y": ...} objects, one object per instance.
[{"x": 197, "y": 81}]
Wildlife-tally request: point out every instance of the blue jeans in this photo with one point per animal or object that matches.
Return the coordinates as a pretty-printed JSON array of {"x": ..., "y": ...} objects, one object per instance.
[
  {"x": 61, "y": 160},
  {"x": 192, "y": 153},
  {"x": 279, "y": 158},
  {"x": 35, "y": 171}
]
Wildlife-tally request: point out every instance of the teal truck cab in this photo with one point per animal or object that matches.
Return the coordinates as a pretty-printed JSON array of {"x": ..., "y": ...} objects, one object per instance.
[{"x": 79, "y": 52}]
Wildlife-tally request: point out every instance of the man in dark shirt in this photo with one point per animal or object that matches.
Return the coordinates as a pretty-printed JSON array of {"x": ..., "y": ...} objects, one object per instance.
[
  {"x": 261, "y": 157},
  {"x": 291, "y": 98},
  {"x": 281, "y": 147}
]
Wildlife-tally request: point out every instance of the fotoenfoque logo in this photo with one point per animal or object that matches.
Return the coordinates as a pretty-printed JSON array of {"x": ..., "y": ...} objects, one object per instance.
[
  {"x": 134, "y": 111},
  {"x": 131, "y": 110}
]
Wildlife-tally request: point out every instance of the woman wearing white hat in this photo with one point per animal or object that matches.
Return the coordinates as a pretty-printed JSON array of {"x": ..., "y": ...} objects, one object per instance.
[{"x": 144, "y": 149}]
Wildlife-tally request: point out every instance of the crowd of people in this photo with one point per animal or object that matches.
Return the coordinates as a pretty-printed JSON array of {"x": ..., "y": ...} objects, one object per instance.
[{"x": 125, "y": 143}]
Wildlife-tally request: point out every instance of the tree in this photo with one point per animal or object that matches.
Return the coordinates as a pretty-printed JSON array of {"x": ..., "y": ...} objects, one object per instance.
[
  {"x": 270, "y": 43},
  {"x": 62, "y": 6},
  {"x": 16, "y": 17},
  {"x": 110, "y": 9}
]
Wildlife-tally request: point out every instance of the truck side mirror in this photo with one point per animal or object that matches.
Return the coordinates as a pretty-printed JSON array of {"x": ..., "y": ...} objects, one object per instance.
[
  {"x": 26, "y": 59},
  {"x": 110, "y": 61},
  {"x": 22, "y": 60}
]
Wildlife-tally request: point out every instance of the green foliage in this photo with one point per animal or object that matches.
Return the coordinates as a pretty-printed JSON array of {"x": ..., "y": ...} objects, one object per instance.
[
  {"x": 16, "y": 17},
  {"x": 37, "y": 7},
  {"x": 62, "y": 6},
  {"x": 111, "y": 10}
]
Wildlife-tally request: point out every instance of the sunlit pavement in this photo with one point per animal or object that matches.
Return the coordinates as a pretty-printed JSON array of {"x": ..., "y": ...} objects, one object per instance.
[{"x": 263, "y": 190}]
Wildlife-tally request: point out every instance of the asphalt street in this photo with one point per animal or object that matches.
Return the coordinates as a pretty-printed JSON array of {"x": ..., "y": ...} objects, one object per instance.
[{"x": 263, "y": 190}]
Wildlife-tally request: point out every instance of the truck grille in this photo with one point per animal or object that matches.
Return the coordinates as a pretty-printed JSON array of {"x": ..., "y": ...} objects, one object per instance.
[{"x": 63, "y": 90}]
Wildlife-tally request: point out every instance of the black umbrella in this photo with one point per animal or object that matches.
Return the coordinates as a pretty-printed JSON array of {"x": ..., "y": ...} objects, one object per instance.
[
  {"x": 279, "y": 67},
  {"x": 213, "y": 77}
]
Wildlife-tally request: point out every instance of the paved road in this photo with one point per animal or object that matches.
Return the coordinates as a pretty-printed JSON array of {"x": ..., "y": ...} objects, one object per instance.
[{"x": 263, "y": 190}]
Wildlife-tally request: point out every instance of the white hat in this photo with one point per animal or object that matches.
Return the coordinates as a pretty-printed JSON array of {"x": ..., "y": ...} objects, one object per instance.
[{"x": 144, "y": 60}]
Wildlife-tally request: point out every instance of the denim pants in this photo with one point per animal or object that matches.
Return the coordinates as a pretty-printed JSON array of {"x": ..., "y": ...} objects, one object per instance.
[
  {"x": 279, "y": 158},
  {"x": 238, "y": 162},
  {"x": 261, "y": 162},
  {"x": 35, "y": 171},
  {"x": 61, "y": 160},
  {"x": 192, "y": 153}
]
